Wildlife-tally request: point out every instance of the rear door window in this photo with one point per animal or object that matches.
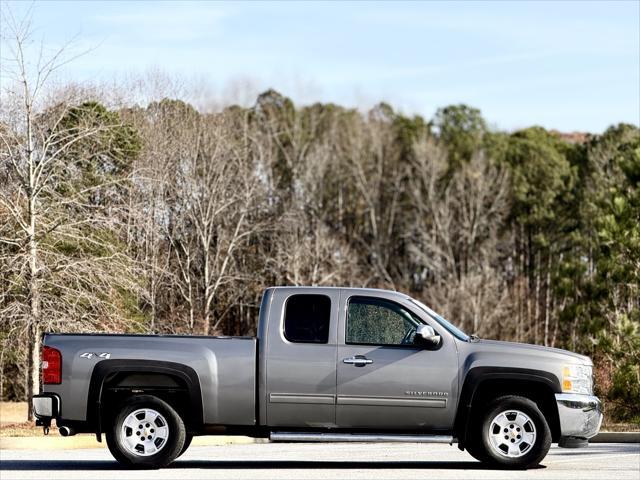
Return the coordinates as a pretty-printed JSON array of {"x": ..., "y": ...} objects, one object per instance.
[{"x": 307, "y": 318}]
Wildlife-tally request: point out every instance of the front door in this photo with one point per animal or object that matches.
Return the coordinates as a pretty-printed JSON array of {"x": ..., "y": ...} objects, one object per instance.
[{"x": 386, "y": 381}]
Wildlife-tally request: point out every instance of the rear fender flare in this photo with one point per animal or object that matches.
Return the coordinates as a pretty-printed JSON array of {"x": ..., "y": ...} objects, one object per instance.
[{"x": 106, "y": 368}]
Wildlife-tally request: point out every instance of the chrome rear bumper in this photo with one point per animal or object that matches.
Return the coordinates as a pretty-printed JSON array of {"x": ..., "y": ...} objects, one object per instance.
[
  {"x": 46, "y": 407},
  {"x": 580, "y": 418}
]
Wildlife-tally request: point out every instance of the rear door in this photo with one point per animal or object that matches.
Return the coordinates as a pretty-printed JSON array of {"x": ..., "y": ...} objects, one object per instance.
[
  {"x": 385, "y": 381},
  {"x": 301, "y": 358}
]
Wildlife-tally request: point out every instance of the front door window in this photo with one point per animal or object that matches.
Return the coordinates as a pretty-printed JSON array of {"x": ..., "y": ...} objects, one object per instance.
[{"x": 372, "y": 321}]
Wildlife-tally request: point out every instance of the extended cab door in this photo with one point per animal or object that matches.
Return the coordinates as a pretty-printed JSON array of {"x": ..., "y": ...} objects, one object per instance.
[
  {"x": 384, "y": 380},
  {"x": 299, "y": 358}
]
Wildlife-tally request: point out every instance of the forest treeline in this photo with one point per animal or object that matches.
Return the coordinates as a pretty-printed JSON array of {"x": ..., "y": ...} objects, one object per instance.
[{"x": 164, "y": 219}]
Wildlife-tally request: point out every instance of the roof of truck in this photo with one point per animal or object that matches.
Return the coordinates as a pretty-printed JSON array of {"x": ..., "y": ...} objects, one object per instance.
[{"x": 319, "y": 287}]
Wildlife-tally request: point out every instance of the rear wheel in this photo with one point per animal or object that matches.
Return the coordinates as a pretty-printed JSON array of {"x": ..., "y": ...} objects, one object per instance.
[
  {"x": 146, "y": 433},
  {"x": 512, "y": 433},
  {"x": 187, "y": 442}
]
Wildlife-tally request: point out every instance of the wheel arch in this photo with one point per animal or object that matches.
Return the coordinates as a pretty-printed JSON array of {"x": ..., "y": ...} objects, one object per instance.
[
  {"x": 144, "y": 376},
  {"x": 484, "y": 383}
]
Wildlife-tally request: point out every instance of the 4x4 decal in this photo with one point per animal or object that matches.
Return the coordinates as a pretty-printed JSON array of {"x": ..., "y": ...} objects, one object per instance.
[{"x": 90, "y": 355}]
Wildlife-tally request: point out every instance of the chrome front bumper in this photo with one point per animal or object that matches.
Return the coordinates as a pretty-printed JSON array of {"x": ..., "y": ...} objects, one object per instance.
[{"x": 580, "y": 416}]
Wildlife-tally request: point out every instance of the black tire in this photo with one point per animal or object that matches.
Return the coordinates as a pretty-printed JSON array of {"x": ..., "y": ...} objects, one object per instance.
[
  {"x": 187, "y": 442},
  {"x": 170, "y": 447},
  {"x": 480, "y": 446},
  {"x": 475, "y": 449}
]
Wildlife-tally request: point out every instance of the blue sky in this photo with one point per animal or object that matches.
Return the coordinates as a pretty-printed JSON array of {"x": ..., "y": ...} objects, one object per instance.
[{"x": 565, "y": 65}]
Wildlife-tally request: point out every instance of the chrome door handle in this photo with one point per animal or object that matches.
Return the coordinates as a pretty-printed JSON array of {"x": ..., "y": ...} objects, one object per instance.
[{"x": 358, "y": 361}]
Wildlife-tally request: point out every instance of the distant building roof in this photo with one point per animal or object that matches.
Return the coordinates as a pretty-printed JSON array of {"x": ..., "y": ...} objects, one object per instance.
[{"x": 572, "y": 137}]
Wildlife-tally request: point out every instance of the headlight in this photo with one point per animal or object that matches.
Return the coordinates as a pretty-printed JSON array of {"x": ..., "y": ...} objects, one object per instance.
[{"x": 577, "y": 379}]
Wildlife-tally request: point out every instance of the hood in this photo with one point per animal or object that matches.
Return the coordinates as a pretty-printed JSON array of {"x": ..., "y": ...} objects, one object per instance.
[{"x": 535, "y": 349}]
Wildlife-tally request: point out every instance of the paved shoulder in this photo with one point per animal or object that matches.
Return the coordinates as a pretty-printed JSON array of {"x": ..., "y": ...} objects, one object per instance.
[{"x": 325, "y": 461}]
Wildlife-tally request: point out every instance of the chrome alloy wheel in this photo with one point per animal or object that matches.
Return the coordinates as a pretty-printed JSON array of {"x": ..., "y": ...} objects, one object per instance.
[
  {"x": 512, "y": 433},
  {"x": 144, "y": 432}
]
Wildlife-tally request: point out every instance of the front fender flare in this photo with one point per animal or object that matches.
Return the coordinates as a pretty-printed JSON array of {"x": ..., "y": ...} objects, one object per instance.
[{"x": 477, "y": 375}]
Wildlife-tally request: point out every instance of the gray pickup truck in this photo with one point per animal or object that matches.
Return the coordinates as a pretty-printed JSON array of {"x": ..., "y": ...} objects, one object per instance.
[{"x": 328, "y": 365}]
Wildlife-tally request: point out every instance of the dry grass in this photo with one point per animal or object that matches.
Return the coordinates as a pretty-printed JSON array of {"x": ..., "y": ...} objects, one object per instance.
[
  {"x": 24, "y": 429},
  {"x": 619, "y": 427},
  {"x": 13, "y": 412},
  {"x": 13, "y": 421}
]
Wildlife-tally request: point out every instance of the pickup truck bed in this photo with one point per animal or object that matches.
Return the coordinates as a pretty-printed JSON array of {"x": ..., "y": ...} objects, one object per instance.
[{"x": 223, "y": 369}]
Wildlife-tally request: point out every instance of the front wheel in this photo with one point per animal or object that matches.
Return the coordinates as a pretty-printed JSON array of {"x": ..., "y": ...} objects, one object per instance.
[
  {"x": 513, "y": 433},
  {"x": 146, "y": 433}
]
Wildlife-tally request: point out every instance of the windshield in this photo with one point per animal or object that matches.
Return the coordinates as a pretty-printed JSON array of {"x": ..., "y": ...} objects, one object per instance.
[{"x": 442, "y": 321}]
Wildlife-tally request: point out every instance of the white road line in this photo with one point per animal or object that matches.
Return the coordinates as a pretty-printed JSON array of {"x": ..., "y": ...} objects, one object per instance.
[{"x": 595, "y": 457}]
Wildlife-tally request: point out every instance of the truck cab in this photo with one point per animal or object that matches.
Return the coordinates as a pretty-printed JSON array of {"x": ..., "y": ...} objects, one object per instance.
[
  {"x": 347, "y": 358},
  {"x": 328, "y": 364}
]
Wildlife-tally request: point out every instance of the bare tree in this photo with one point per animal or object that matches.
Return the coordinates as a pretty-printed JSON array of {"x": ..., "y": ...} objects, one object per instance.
[
  {"x": 221, "y": 198},
  {"x": 210, "y": 200},
  {"x": 310, "y": 254},
  {"x": 456, "y": 237},
  {"x": 169, "y": 132},
  {"x": 56, "y": 262},
  {"x": 373, "y": 169}
]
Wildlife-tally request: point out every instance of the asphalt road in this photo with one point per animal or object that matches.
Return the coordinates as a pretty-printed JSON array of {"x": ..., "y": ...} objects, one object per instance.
[{"x": 324, "y": 461}]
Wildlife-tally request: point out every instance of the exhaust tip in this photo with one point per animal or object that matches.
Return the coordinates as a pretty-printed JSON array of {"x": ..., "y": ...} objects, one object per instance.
[{"x": 66, "y": 431}]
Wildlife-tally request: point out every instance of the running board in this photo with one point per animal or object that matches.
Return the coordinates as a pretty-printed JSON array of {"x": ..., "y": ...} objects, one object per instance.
[{"x": 358, "y": 437}]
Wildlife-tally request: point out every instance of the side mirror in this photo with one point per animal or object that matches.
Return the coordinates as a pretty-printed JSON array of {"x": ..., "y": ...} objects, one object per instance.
[{"x": 426, "y": 335}]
